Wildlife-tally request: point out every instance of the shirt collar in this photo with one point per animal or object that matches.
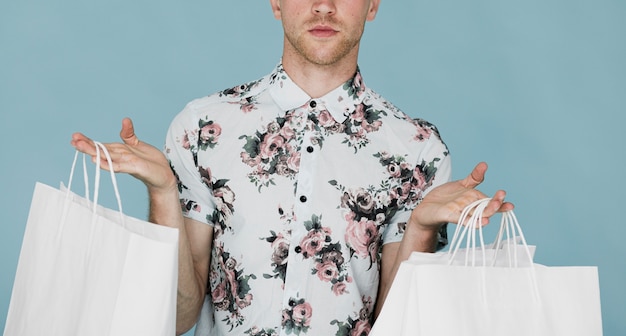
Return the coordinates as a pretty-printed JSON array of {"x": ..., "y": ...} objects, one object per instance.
[{"x": 339, "y": 102}]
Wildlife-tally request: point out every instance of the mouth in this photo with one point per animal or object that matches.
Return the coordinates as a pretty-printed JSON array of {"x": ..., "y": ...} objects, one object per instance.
[{"x": 322, "y": 31}]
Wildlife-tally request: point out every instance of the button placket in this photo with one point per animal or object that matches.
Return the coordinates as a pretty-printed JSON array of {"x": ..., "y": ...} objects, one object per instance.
[
  {"x": 296, "y": 275},
  {"x": 306, "y": 163},
  {"x": 305, "y": 175}
]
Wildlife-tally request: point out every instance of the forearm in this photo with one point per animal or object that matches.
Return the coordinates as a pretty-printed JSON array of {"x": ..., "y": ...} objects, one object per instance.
[
  {"x": 165, "y": 210},
  {"x": 415, "y": 239}
]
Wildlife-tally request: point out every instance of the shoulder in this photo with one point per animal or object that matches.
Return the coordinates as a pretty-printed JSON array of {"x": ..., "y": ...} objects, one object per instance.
[
  {"x": 396, "y": 117},
  {"x": 231, "y": 95},
  {"x": 232, "y": 99}
]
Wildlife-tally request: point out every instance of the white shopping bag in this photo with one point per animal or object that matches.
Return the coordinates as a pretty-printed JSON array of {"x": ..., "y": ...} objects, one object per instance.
[
  {"x": 87, "y": 270},
  {"x": 482, "y": 295}
]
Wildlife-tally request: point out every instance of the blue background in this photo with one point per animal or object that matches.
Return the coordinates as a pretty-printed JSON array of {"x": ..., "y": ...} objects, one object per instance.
[{"x": 535, "y": 88}]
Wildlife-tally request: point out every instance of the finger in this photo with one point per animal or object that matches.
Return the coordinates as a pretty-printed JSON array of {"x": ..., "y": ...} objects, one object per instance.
[
  {"x": 500, "y": 205},
  {"x": 128, "y": 132},
  {"x": 83, "y": 144},
  {"x": 497, "y": 204},
  {"x": 476, "y": 177},
  {"x": 494, "y": 204},
  {"x": 119, "y": 155}
]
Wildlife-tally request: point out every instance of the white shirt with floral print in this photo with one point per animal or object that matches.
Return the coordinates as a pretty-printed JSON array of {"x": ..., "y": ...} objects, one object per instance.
[{"x": 302, "y": 194}]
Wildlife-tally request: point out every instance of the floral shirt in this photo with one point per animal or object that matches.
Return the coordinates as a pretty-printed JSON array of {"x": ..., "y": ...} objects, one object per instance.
[{"x": 302, "y": 193}]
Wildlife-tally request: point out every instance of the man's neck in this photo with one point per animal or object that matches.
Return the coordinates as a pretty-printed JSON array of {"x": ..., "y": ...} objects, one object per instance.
[{"x": 318, "y": 80}]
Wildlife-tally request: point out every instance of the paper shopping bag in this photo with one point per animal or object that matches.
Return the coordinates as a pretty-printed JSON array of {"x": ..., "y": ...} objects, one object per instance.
[
  {"x": 87, "y": 270},
  {"x": 440, "y": 296}
]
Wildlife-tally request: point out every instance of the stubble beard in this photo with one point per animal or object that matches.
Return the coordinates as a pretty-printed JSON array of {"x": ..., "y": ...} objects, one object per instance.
[{"x": 336, "y": 50}]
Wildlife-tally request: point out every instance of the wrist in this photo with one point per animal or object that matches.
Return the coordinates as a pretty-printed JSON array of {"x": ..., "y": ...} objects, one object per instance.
[
  {"x": 165, "y": 207},
  {"x": 423, "y": 238},
  {"x": 167, "y": 184},
  {"x": 165, "y": 191},
  {"x": 417, "y": 226}
]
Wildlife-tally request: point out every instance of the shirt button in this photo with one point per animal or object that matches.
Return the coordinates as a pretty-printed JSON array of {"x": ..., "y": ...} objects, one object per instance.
[
  {"x": 309, "y": 149},
  {"x": 312, "y": 104},
  {"x": 303, "y": 199}
]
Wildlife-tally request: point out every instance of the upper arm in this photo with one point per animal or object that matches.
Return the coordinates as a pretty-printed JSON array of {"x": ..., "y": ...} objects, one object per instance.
[
  {"x": 387, "y": 272},
  {"x": 200, "y": 238}
]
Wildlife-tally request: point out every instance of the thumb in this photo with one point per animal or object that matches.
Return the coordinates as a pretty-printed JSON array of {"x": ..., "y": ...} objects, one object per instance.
[
  {"x": 476, "y": 177},
  {"x": 128, "y": 132}
]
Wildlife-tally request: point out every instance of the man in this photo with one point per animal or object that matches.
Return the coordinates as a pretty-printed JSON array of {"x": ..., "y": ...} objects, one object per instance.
[{"x": 298, "y": 195}]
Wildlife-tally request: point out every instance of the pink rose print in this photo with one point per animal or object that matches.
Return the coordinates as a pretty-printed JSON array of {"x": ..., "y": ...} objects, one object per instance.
[
  {"x": 210, "y": 131},
  {"x": 186, "y": 143},
  {"x": 287, "y": 132},
  {"x": 302, "y": 314},
  {"x": 280, "y": 243},
  {"x": 358, "y": 114},
  {"x": 326, "y": 119},
  {"x": 281, "y": 250},
  {"x": 373, "y": 127},
  {"x": 339, "y": 288},
  {"x": 358, "y": 83},
  {"x": 355, "y": 87},
  {"x": 293, "y": 161},
  {"x": 359, "y": 201},
  {"x": 256, "y": 331},
  {"x": 359, "y": 325},
  {"x": 239, "y": 90},
  {"x": 205, "y": 175},
  {"x": 224, "y": 201},
  {"x": 419, "y": 178},
  {"x": 368, "y": 211},
  {"x": 297, "y": 317},
  {"x": 225, "y": 198},
  {"x": 407, "y": 182},
  {"x": 270, "y": 145},
  {"x": 361, "y": 328},
  {"x": 245, "y": 301},
  {"x": 248, "y": 104},
  {"x": 271, "y": 151},
  {"x": 219, "y": 297},
  {"x": 286, "y": 317},
  {"x": 189, "y": 140},
  {"x": 314, "y": 241},
  {"x": 229, "y": 286},
  {"x": 422, "y": 134},
  {"x": 209, "y": 134},
  {"x": 329, "y": 261},
  {"x": 394, "y": 169},
  {"x": 327, "y": 271},
  {"x": 250, "y": 161},
  {"x": 423, "y": 129},
  {"x": 362, "y": 237}
]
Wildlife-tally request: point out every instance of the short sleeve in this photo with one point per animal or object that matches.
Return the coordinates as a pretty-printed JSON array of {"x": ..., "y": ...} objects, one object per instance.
[
  {"x": 194, "y": 181},
  {"x": 432, "y": 169}
]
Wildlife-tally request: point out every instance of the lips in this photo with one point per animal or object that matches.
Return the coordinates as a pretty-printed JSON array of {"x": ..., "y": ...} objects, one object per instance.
[{"x": 322, "y": 31}]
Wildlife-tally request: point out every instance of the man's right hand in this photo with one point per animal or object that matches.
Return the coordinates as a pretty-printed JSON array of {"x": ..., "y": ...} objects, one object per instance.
[{"x": 137, "y": 158}]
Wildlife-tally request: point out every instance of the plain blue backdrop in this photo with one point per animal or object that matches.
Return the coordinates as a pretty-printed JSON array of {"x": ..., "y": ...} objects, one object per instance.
[{"x": 535, "y": 88}]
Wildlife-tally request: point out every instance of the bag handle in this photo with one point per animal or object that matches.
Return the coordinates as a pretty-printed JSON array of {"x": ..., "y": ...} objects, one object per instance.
[
  {"x": 510, "y": 227},
  {"x": 85, "y": 176},
  {"x": 469, "y": 225},
  {"x": 100, "y": 146},
  {"x": 100, "y": 150}
]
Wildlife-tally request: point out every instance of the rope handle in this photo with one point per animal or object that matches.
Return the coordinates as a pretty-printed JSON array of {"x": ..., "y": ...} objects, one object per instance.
[
  {"x": 469, "y": 226},
  {"x": 100, "y": 150}
]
